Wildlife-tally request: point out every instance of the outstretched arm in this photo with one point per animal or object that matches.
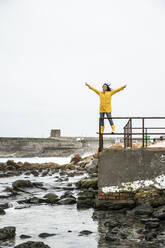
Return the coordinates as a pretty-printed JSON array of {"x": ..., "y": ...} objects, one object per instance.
[
  {"x": 119, "y": 89},
  {"x": 95, "y": 90}
]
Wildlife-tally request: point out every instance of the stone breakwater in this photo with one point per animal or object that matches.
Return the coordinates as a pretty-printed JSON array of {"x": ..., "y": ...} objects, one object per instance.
[
  {"x": 36, "y": 147},
  {"x": 49, "y": 147},
  {"x": 138, "y": 221}
]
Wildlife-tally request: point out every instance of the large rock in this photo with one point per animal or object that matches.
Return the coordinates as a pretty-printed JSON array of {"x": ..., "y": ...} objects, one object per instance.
[
  {"x": 51, "y": 198},
  {"x": 92, "y": 167},
  {"x": 32, "y": 244},
  {"x": 87, "y": 183},
  {"x": 85, "y": 199},
  {"x": 22, "y": 184},
  {"x": 76, "y": 159},
  {"x": 7, "y": 233},
  {"x": 155, "y": 197},
  {"x": 2, "y": 211}
]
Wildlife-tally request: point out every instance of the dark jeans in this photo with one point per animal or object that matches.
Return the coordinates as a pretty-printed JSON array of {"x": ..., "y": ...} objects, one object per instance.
[{"x": 109, "y": 119}]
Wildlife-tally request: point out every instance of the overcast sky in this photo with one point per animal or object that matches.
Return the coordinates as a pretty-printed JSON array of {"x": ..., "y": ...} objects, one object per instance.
[{"x": 50, "y": 48}]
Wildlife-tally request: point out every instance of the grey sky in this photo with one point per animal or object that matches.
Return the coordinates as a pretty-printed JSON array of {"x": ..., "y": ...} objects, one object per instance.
[{"x": 50, "y": 48}]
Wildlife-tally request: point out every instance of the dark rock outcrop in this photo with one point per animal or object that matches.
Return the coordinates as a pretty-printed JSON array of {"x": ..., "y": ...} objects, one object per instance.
[
  {"x": 7, "y": 233},
  {"x": 32, "y": 244}
]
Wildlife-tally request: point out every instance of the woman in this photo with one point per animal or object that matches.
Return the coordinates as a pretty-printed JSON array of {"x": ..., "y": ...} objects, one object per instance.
[{"x": 105, "y": 103}]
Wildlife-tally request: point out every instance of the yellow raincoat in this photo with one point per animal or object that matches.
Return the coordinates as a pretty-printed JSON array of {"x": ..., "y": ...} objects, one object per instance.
[{"x": 105, "y": 99}]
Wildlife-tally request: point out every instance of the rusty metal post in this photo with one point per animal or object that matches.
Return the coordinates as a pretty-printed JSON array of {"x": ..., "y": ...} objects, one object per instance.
[
  {"x": 124, "y": 137},
  {"x": 100, "y": 137},
  {"x": 143, "y": 132},
  {"x": 130, "y": 122},
  {"x": 146, "y": 137}
]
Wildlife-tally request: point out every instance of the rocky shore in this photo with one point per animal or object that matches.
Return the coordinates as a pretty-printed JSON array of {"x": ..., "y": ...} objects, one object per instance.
[{"x": 136, "y": 221}]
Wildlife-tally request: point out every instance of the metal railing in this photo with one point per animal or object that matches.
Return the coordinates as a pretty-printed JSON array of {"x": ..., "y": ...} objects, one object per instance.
[{"x": 128, "y": 133}]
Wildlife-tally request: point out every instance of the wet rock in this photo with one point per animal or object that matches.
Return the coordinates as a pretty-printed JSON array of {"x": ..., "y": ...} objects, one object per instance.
[
  {"x": 152, "y": 224},
  {"x": 114, "y": 204},
  {"x": 11, "y": 162},
  {"x": 92, "y": 167},
  {"x": 85, "y": 199},
  {"x": 32, "y": 244},
  {"x": 71, "y": 174},
  {"x": 22, "y": 184},
  {"x": 46, "y": 235},
  {"x": 87, "y": 183},
  {"x": 67, "y": 201},
  {"x": 159, "y": 213},
  {"x": 76, "y": 158},
  {"x": 44, "y": 173},
  {"x": 22, "y": 206},
  {"x": 51, "y": 198},
  {"x": 4, "y": 206},
  {"x": 27, "y": 173},
  {"x": 67, "y": 194},
  {"x": 9, "y": 189},
  {"x": 111, "y": 223},
  {"x": 35, "y": 173},
  {"x": 110, "y": 237},
  {"x": 2, "y": 211},
  {"x": 155, "y": 197},
  {"x": 7, "y": 233},
  {"x": 150, "y": 236},
  {"x": 145, "y": 209},
  {"x": 124, "y": 234},
  {"x": 85, "y": 232},
  {"x": 23, "y": 236},
  {"x": 147, "y": 220},
  {"x": 32, "y": 200}
]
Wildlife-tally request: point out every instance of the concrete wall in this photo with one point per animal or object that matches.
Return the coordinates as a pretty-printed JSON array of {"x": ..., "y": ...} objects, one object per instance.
[{"x": 118, "y": 166}]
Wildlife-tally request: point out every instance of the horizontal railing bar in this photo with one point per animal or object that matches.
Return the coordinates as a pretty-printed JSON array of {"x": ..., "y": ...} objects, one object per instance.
[
  {"x": 147, "y": 128},
  {"x": 132, "y": 118},
  {"x": 132, "y": 133}
]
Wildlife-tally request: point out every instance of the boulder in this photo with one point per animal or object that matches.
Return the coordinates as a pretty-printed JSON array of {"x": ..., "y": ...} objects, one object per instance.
[
  {"x": 32, "y": 244},
  {"x": 51, "y": 198},
  {"x": 87, "y": 183},
  {"x": 85, "y": 199},
  {"x": 76, "y": 158},
  {"x": 22, "y": 184},
  {"x": 7, "y": 233},
  {"x": 92, "y": 167},
  {"x": 2, "y": 211},
  {"x": 155, "y": 197}
]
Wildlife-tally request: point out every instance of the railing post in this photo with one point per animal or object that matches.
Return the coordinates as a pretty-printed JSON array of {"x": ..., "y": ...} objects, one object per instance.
[
  {"x": 146, "y": 136},
  {"x": 100, "y": 137},
  {"x": 130, "y": 132},
  {"x": 143, "y": 132},
  {"x": 124, "y": 137}
]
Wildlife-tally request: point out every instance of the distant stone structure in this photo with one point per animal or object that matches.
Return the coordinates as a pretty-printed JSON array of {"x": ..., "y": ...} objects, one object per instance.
[{"x": 55, "y": 133}]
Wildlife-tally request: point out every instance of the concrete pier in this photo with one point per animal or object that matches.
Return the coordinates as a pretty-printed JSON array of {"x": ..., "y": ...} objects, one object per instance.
[{"x": 128, "y": 165}]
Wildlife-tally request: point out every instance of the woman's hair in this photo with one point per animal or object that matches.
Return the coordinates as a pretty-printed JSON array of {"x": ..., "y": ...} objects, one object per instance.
[{"x": 108, "y": 87}]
